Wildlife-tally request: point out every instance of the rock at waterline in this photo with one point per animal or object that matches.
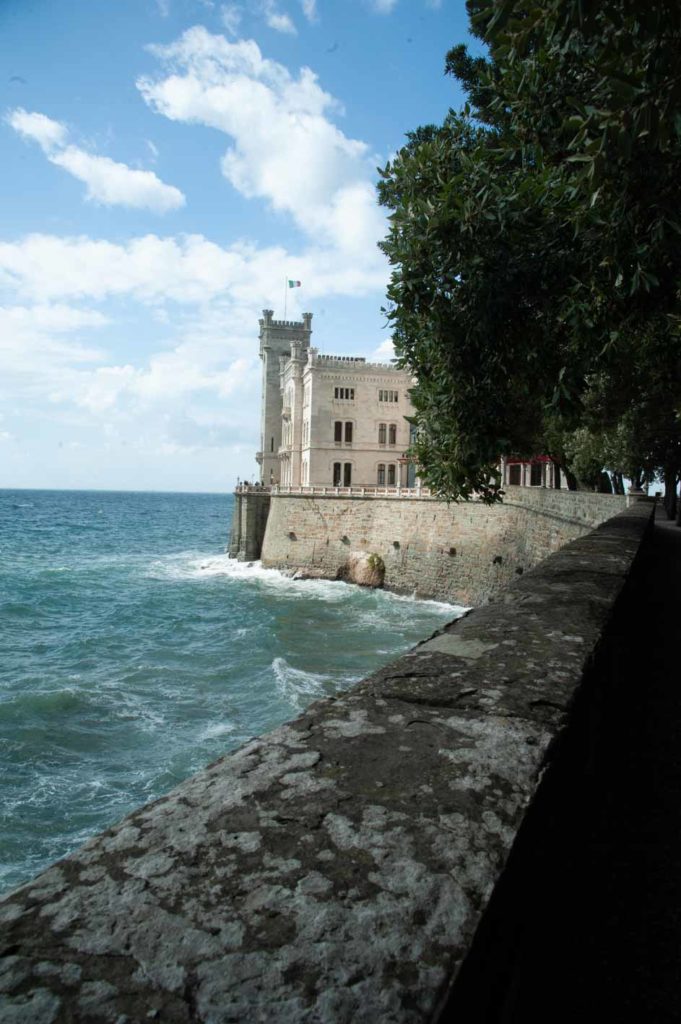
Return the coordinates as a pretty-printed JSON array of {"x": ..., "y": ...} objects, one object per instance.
[{"x": 365, "y": 569}]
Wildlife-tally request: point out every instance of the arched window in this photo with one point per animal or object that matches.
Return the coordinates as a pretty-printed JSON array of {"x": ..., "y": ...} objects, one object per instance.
[
  {"x": 392, "y": 433},
  {"x": 338, "y": 431},
  {"x": 348, "y": 432},
  {"x": 391, "y": 474},
  {"x": 381, "y": 433},
  {"x": 380, "y": 480},
  {"x": 336, "y": 474},
  {"x": 347, "y": 474}
]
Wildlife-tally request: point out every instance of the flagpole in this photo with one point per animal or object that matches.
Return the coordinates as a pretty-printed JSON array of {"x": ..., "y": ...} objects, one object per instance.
[{"x": 285, "y": 295}]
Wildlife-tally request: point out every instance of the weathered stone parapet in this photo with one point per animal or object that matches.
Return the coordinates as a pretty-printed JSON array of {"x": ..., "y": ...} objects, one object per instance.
[{"x": 335, "y": 870}]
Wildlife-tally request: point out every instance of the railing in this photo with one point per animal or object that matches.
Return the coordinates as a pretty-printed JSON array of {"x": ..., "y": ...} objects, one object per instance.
[
  {"x": 248, "y": 488},
  {"x": 354, "y": 492}
]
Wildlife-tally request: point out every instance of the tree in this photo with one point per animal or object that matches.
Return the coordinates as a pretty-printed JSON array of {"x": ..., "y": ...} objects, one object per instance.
[{"x": 534, "y": 237}]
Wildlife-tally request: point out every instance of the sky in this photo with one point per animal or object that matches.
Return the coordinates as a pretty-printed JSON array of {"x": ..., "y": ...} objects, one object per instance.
[{"x": 166, "y": 166}]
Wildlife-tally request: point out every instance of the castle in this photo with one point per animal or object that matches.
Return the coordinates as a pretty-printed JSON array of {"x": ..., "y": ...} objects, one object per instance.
[
  {"x": 335, "y": 421},
  {"x": 340, "y": 421}
]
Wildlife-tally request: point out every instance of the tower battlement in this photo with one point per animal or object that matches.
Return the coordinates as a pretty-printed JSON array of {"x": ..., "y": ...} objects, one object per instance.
[{"x": 280, "y": 341}]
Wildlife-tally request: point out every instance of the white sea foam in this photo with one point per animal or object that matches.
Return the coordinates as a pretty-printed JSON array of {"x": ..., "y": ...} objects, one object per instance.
[
  {"x": 445, "y": 606},
  {"x": 191, "y": 565},
  {"x": 212, "y": 732},
  {"x": 299, "y": 687}
]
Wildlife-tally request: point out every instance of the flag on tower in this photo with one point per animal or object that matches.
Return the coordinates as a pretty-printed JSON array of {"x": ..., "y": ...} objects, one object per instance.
[{"x": 294, "y": 284}]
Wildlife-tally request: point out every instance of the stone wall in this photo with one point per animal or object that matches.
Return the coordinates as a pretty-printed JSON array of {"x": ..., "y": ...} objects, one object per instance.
[
  {"x": 462, "y": 552},
  {"x": 249, "y": 520},
  {"x": 336, "y": 869}
]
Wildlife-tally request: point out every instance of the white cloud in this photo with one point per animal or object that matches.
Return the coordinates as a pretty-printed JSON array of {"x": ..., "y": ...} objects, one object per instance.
[
  {"x": 276, "y": 19},
  {"x": 163, "y": 7},
  {"x": 385, "y": 352},
  {"x": 42, "y": 129},
  {"x": 57, "y": 318},
  {"x": 280, "y": 22},
  {"x": 189, "y": 269},
  {"x": 309, "y": 9},
  {"x": 37, "y": 346},
  {"x": 384, "y": 6},
  {"x": 231, "y": 18},
  {"x": 108, "y": 182},
  {"x": 169, "y": 376},
  {"x": 285, "y": 147},
  {"x": 115, "y": 184}
]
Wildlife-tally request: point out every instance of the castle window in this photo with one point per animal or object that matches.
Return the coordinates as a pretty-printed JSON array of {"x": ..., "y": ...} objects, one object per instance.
[
  {"x": 536, "y": 474},
  {"x": 388, "y": 396},
  {"x": 391, "y": 474},
  {"x": 345, "y": 394},
  {"x": 348, "y": 432},
  {"x": 381, "y": 433},
  {"x": 380, "y": 479},
  {"x": 336, "y": 474},
  {"x": 392, "y": 433},
  {"x": 514, "y": 474},
  {"x": 271, "y": 444},
  {"x": 338, "y": 431},
  {"x": 347, "y": 474}
]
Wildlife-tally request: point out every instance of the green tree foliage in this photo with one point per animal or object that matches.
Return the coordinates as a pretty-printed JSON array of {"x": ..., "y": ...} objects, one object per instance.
[{"x": 535, "y": 240}]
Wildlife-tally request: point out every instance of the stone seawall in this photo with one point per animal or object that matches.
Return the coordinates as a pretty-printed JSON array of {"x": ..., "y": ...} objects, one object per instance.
[
  {"x": 334, "y": 871},
  {"x": 463, "y": 552},
  {"x": 249, "y": 520}
]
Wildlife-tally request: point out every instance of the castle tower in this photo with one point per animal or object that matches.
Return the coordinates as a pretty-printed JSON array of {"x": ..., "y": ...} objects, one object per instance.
[{"x": 276, "y": 340}]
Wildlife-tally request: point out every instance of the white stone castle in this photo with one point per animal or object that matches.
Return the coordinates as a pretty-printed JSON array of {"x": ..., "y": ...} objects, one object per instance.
[{"x": 329, "y": 421}]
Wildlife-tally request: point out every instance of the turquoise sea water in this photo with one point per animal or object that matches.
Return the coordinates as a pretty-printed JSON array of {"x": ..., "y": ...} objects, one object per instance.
[{"x": 133, "y": 652}]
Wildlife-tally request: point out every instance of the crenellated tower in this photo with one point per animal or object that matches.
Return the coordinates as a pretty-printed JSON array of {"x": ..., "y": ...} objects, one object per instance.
[{"x": 277, "y": 338}]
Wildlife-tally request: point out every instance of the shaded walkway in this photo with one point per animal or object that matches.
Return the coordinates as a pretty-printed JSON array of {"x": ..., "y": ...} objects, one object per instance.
[{"x": 587, "y": 924}]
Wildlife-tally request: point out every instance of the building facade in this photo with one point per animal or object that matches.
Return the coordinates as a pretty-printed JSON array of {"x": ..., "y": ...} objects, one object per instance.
[
  {"x": 335, "y": 421},
  {"x": 537, "y": 472}
]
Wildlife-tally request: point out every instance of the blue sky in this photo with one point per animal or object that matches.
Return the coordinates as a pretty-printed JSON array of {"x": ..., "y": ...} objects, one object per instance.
[{"x": 166, "y": 165}]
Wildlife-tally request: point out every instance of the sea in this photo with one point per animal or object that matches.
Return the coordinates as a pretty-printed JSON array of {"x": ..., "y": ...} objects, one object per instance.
[{"x": 134, "y": 651}]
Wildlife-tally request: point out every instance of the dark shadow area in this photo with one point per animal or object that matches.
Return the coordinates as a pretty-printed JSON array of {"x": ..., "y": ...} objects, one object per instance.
[{"x": 585, "y": 923}]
